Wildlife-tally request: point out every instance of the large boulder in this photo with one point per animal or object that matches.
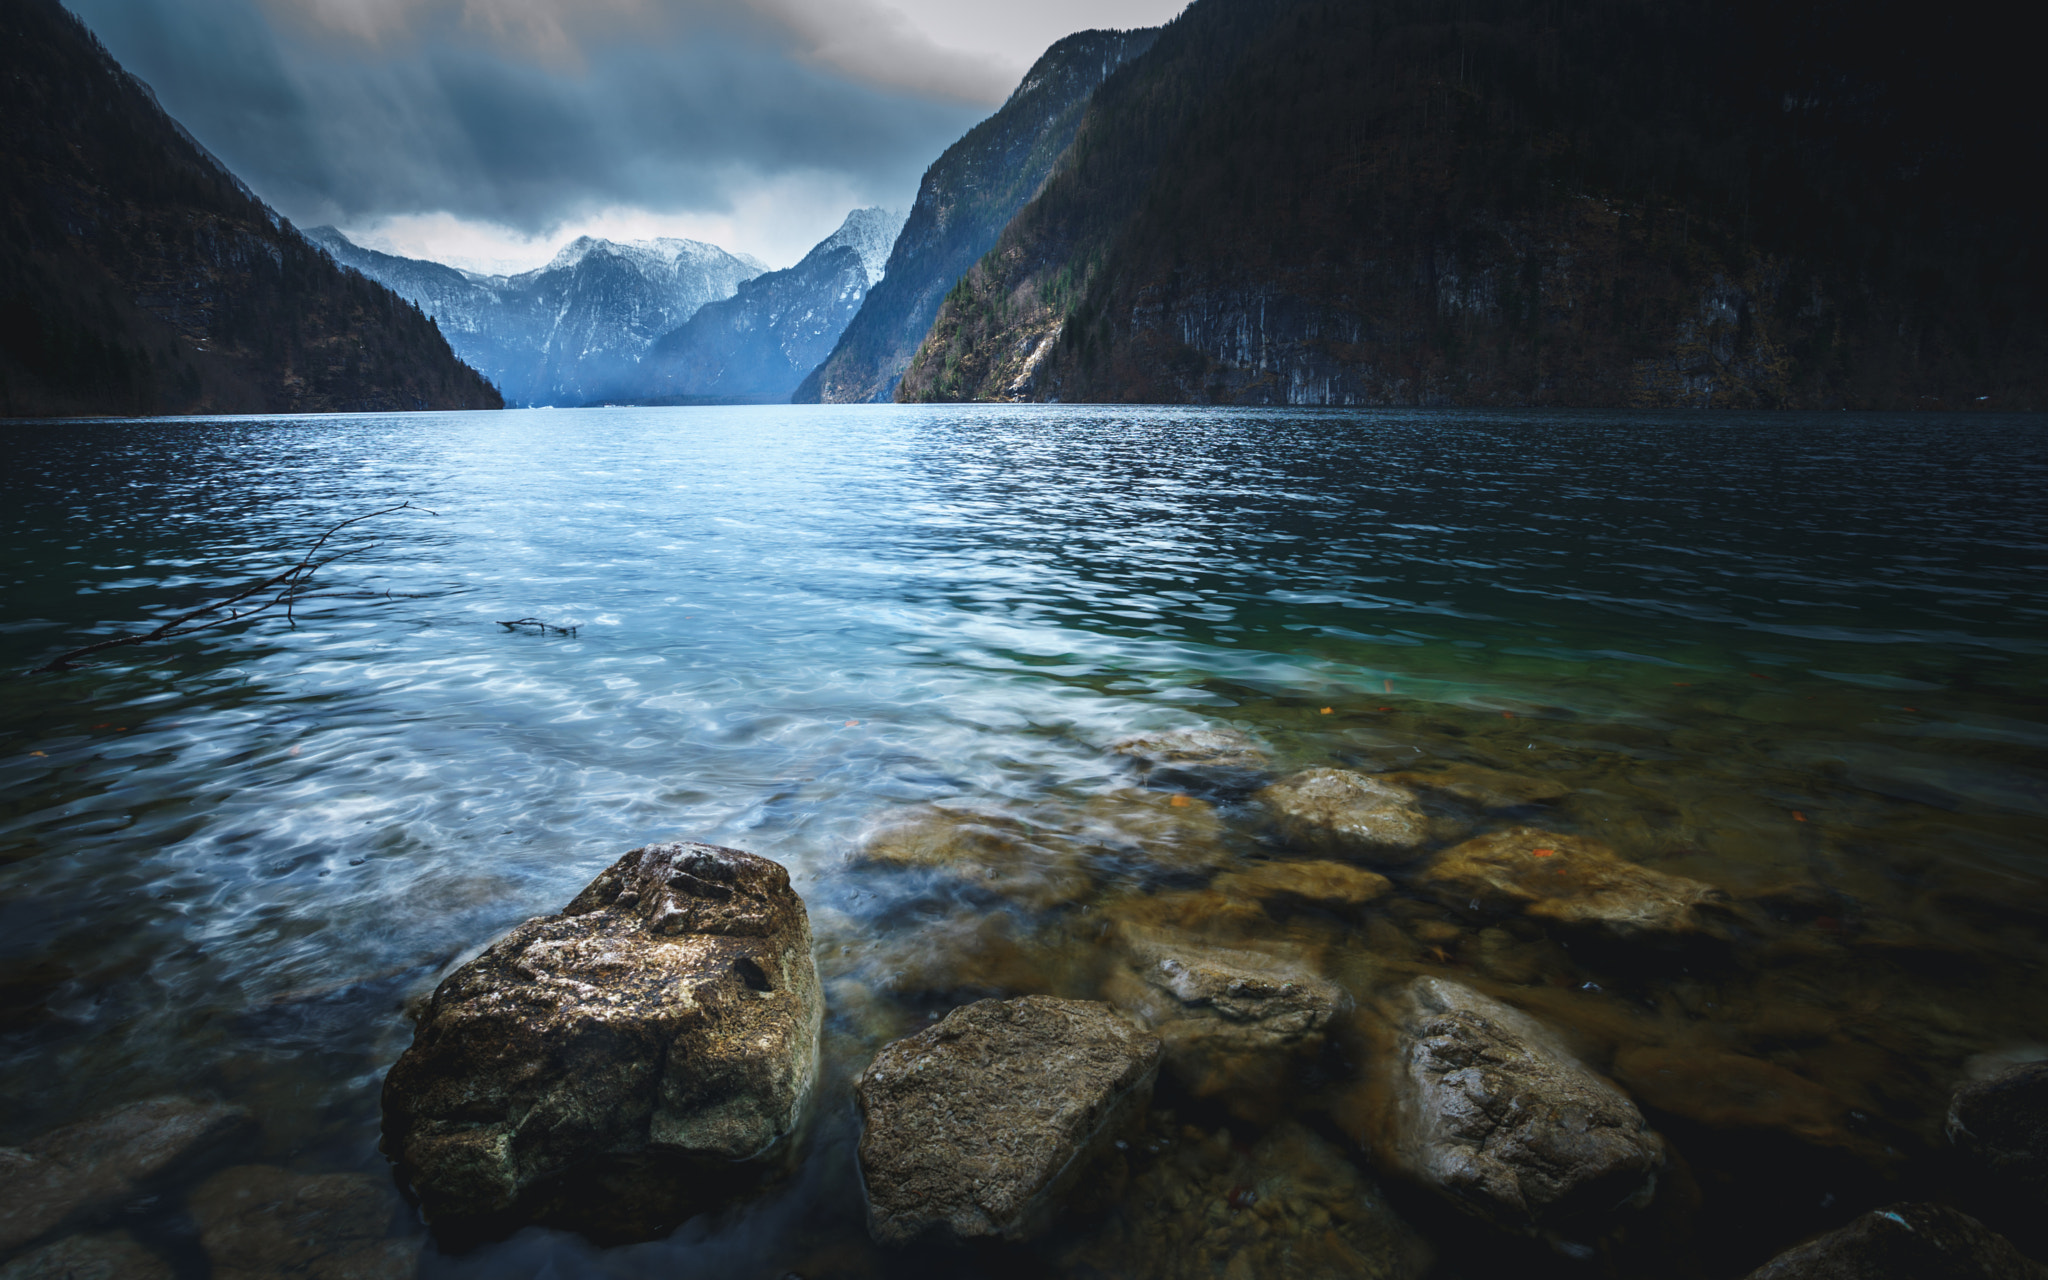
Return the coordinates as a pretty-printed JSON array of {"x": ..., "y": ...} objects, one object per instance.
[
  {"x": 258, "y": 1221},
  {"x": 612, "y": 1067},
  {"x": 1905, "y": 1242},
  {"x": 1233, "y": 1020},
  {"x": 1342, "y": 814},
  {"x": 1999, "y": 1126},
  {"x": 1571, "y": 881},
  {"x": 1488, "y": 1108},
  {"x": 103, "y": 1158},
  {"x": 980, "y": 1125}
]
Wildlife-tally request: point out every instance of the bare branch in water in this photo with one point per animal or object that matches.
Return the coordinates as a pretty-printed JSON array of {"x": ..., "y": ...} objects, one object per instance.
[
  {"x": 543, "y": 627},
  {"x": 285, "y": 589}
]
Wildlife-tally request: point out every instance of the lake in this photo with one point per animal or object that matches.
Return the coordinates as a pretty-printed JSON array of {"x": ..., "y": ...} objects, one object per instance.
[{"x": 1800, "y": 658}]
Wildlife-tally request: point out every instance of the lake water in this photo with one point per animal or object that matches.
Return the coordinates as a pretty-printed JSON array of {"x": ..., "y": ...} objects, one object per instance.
[{"x": 1801, "y": 658}]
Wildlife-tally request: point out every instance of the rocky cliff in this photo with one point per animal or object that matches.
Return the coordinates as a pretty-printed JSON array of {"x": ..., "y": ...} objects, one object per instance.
[
  {"x": 965, "y": 200},
  {"x": 137, "y": 275},
  {"x": 758, "y": 344},
  {"x": 568, "y": 333},
  {"x": 1629, "y": 203}
]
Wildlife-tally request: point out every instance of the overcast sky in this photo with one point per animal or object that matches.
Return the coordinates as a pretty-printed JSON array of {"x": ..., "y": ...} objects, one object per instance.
[{"x": 489, "y": 132}]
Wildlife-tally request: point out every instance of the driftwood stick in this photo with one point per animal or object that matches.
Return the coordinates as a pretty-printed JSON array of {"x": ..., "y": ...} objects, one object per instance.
[
  {"x": 543, "y": 627},
  {"x": 290, "y": 585}
]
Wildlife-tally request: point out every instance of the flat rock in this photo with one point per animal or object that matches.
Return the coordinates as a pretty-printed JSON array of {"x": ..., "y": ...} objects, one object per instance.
[
  {"x": 1210, "y": 756},
  {"x": 1231, "y": 1018},
  {"x": 1291, "y": 1207},
  {"x": 260, "y": 1221},
  {"x": 1569, "y": 880},
  {"x": 1491, "y": 1111},
  {"x": 1342, "y": 814},
  {"x": 610, "y": 1067},
  {"x": 1335, "y": 885},
  {"x": 1167, "y": 831},
  {"x": 1905, "y": 1242},
  {"x": 101, "y": 1159},
  {"x": 979, "y": 1125},
  {"x": 1733, "y": 1091},
  {"x": 113, "y": 1256},
  {"x": 1483, "y": 787},
  {"x": 1037, "y": 865}
]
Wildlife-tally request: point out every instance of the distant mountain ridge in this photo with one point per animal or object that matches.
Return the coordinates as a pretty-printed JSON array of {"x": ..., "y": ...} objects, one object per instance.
[
  {"x": 568, "y": 333},
  {"x": 965, "y": 199},
  {"x": 139, "y": 276},
  {"x": 759, "y": 344},
  {"x": 1630, "y": 203}
]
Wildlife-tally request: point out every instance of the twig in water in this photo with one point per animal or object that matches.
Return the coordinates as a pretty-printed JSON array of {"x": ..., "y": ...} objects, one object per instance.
[
  {"x": 543, "y": 627},
  {"x": 288, "y": 586}
]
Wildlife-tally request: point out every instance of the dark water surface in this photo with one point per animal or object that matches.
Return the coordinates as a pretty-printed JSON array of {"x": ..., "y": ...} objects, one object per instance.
[{"x": 1801, "y": 658}]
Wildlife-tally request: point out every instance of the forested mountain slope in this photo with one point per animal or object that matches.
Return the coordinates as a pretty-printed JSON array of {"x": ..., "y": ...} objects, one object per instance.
[
  {"x": 963, "y": 203},
  {"x": 138, "y": 276},
  {"x": 1613, "y": 202}
]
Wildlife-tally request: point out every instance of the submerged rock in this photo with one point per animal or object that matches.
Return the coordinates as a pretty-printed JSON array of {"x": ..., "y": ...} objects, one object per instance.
[
  {"x": 102, "y": 1158},
  {"x": 1033, "y": 865},
  {"x": 1905, "y": 1242},
  {"x": 607, "y": 1067},
  {"x": 1487, "y": 1108},
  {"x": 1290, "y": 1208},
  {"x": 1569, "y": 880},
  {"x": 1733, "y": 1091},
  {"x": 1213, "y": 757},
  {"x": 258, "y": 1221},
  {"x": 1335, "y": 885},
  {"x": 980, "y": 1125},
  {"x": 1483, "y": 787},
  {"x": 1167, "y": 831},
  {"x": 1348, "y": 815},
  {"x": 1231, "y": 1019},
  {"x": 115, "y": 1255}
]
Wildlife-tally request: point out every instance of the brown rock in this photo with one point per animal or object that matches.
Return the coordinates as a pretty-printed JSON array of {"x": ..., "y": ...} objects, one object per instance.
[
  {"x": 1168, "y": 830},
  {"x": 980, "y": 1125},
  {"x": 657, "y": 1033},
  {"x": 1568, "y": 880},
  {"x": 101, "y": 1159},
  {"x": 1732, "y": 1090},
  {"x": 1182, "y": 750},
  {"x": 1231, "y": 1019},
  {"x": 258, "y": 1221},
  {"x": 1335, "y": 885},
  {"x": 1486, "y": 788},
  {"x": 113, "y": 1256},
  {"x": 1035, "y": 865},
  {"x": 1905, "y": 1242},
  {"x": 1492, "y": 1112},
  {"x": 1348, "y": 815}
]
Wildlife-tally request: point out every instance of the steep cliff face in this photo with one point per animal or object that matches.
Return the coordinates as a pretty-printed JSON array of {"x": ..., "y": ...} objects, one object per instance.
[
  {"x": 1626, "y": 203},
  {"x": 758, "y": 344},
  {"x": 568, "y": 333},
  {"x": 965, "y": 200},
  {"x": 137, "y": 275}
]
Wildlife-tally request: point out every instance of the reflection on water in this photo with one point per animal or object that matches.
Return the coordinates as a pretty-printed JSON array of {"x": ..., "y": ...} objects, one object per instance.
[{"x": 1797, "y": 659}]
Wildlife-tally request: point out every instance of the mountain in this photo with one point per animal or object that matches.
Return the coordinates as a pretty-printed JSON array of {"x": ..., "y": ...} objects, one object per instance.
[
  {"x": 962, "y": 204},
  {"x": 139, "y": 276},
  {"x": 758, "y": 344},
  {"x": 568, "y": 333},
  {"x": 1803, "y": 203}
]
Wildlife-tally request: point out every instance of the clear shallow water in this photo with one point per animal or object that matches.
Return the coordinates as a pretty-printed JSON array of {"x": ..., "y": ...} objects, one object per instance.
[{"x": 1784, "y": 655}]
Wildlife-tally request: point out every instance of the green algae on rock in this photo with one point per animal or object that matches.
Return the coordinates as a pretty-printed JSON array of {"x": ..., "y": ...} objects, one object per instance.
[
  {"x": 978, "y": 1126},
  {"x": 618, "y": 1065}
]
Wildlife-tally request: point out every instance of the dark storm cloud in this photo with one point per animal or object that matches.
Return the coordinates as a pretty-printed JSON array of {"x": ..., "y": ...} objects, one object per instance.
[{"x": 416, "y": 108}]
